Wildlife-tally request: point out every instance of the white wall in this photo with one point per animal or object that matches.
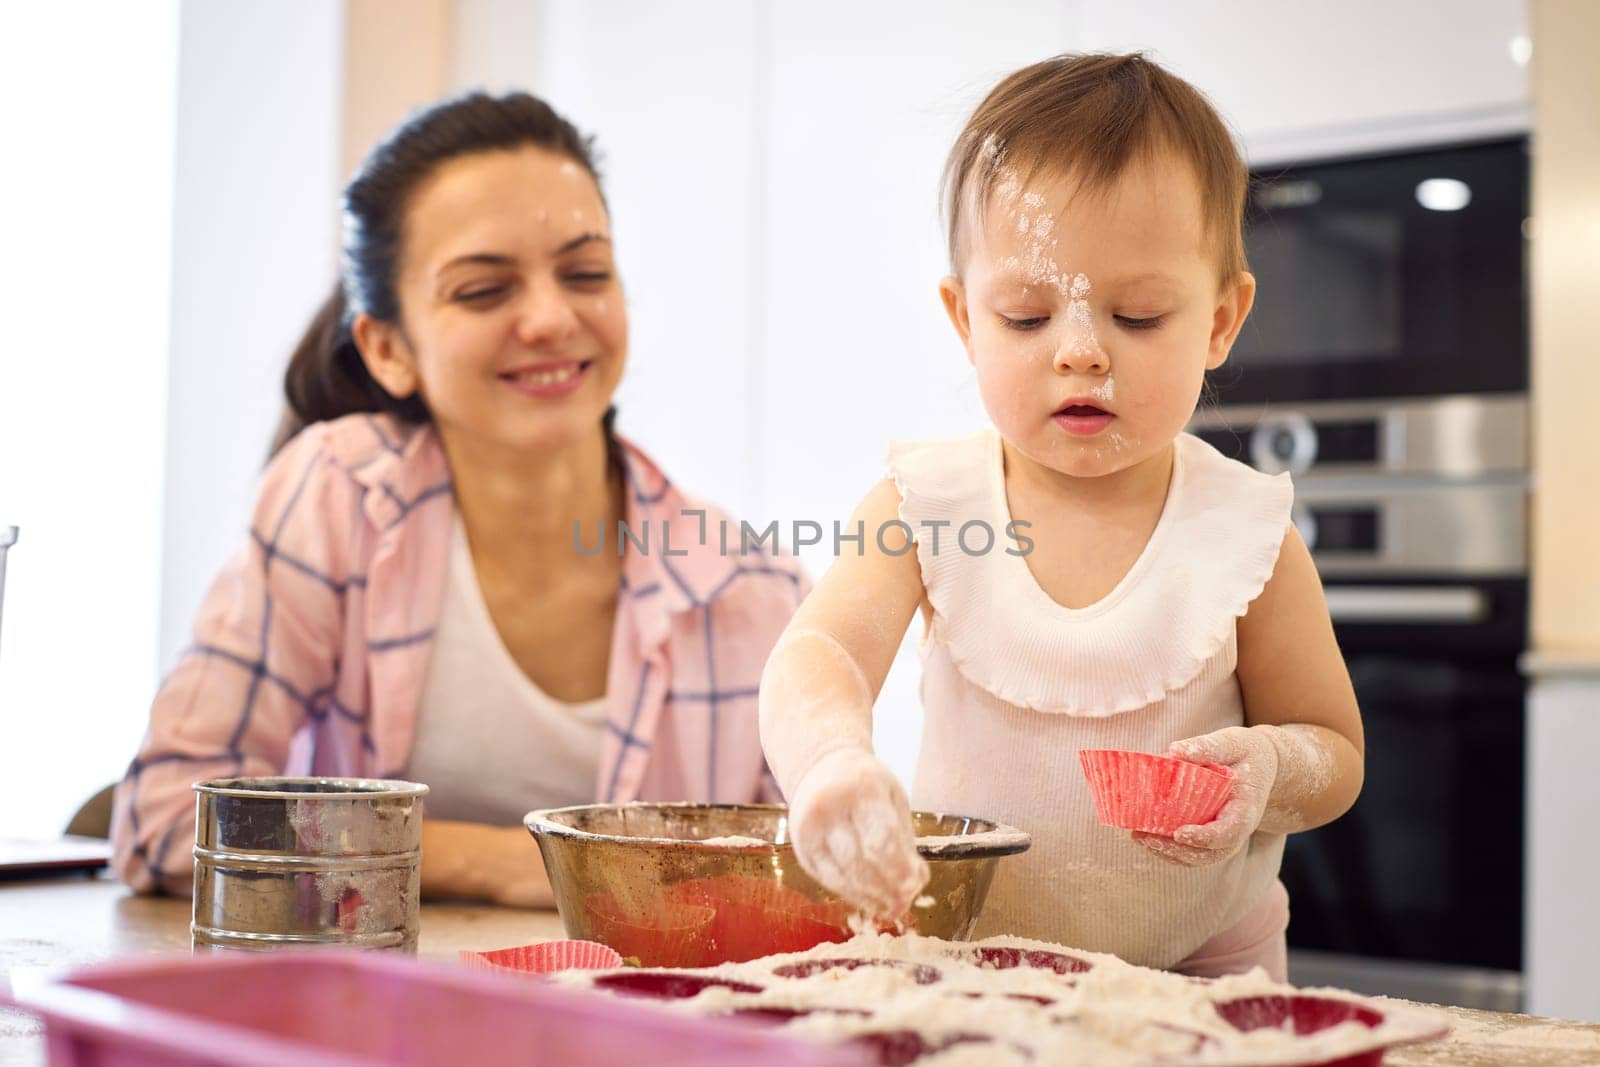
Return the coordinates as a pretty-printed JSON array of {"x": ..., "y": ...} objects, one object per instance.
[
  {"x": 773, "y": 174},
  {"x": 85, "y": 210},
  {"x": 167, "y": 237},
  {"x": 495, "y": 42},
  {"x": 254, "y": 252},
  {"x": 672, "y": 92}
]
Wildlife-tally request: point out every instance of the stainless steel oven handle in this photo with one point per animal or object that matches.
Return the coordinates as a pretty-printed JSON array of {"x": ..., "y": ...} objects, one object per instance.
[{"x": 1460, "y": 605}]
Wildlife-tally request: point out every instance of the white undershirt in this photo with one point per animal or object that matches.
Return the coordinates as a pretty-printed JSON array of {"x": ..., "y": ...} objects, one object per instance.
[{"x": 490, "y": 744}]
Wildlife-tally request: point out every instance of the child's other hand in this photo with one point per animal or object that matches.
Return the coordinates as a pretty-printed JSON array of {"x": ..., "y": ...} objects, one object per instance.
[
  {"x": 851, "y": 825},
  {"x": 1253, "y": 758}
]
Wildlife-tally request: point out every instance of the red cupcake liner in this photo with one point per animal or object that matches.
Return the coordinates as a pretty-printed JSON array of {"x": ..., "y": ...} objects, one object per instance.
[
  {"x": 1153, "y": 794},
  {"x": 756, "y": 917},
  {"x": 1306, "y": 1015},
  {"x": 657, "y": 933},
  {"x": 544, "y": 958}
]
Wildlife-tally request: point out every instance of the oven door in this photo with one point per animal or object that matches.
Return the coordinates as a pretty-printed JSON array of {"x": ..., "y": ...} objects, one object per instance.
[
  {"x": 1417, "y": 890},
  {"x": 1365, "y": 292}
]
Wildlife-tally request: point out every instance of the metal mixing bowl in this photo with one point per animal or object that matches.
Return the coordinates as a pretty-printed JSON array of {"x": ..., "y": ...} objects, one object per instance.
[{"x": 651, "y": 881}]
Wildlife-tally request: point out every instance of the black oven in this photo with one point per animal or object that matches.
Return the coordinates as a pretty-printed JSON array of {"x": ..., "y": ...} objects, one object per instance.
[
  {"x": 1416, "y": 513},
  {"x": 1386, "y": 276},
  {"x": 1386, "y": 365},
  {"x": 1426, "y": 871}
]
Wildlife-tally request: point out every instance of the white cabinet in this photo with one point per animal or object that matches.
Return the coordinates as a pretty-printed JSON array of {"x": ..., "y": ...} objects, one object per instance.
[
  {"x": 1562, "y": 936},
  {"x": 1322, "y": 78}
]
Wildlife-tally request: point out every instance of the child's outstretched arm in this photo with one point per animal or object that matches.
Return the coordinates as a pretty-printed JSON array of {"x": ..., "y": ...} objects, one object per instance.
[
  {"x": 849, "y": 817},
  {"x": 1299, "y": 759}
]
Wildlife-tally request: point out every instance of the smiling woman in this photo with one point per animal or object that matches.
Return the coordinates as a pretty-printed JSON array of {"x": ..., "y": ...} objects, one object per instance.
[{"x": 412, "y": 601}]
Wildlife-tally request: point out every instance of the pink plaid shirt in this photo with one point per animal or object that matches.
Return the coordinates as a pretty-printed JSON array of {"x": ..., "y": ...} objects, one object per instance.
[{"x": 311, "y": 648}]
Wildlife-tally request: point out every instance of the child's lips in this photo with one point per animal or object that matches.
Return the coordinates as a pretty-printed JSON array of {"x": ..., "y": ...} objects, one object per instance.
[{"x": 1083, "y": 420}]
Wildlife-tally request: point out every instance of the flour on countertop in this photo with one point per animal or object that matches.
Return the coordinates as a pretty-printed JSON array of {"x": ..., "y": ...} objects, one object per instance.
[{"x": 964, "y": 1010}]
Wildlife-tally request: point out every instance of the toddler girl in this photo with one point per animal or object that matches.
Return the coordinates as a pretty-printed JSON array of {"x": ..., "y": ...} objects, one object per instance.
[{"x": 1153, "y": 595}]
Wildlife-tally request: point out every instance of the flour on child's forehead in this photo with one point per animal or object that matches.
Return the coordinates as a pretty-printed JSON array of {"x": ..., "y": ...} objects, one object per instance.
[
  {"x": 1029, "y": 216},
  {"x": 1035, "y": 226},
  {"x": 1040, "y": 225}
]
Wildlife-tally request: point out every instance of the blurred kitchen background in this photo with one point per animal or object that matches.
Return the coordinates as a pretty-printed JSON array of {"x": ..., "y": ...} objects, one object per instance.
[{"x": 1425, "y": 226}]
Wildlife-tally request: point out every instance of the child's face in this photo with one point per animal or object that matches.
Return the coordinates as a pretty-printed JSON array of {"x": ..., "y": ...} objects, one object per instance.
[
  {"x": 1091, "y": 320},
  {"x": 513, "y": 326}
]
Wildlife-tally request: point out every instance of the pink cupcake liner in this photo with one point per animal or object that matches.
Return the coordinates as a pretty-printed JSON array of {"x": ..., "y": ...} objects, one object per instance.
[
  {"x": 544, "y": 958},
  {"x": 1154, "y": 794}
]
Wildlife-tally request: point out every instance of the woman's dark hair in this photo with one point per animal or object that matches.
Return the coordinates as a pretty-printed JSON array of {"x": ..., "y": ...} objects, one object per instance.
[{"x": 326, "y": 377}]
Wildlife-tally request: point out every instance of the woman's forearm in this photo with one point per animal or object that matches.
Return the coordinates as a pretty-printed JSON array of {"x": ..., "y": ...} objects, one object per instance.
[{"x": 472, "y": 861}]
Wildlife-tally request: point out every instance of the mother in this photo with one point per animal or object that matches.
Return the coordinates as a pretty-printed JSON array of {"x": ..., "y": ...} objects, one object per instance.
[{"x": 412, "y": 601}]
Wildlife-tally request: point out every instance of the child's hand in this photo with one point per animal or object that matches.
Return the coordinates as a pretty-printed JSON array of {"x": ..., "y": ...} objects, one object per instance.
[
  {"x": 1250, "y": 753},
  {"x": 851, "y": 825}
]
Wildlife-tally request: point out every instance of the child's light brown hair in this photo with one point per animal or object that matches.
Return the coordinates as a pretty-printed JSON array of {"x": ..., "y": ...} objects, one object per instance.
[{"x": 1089, "y": 115}]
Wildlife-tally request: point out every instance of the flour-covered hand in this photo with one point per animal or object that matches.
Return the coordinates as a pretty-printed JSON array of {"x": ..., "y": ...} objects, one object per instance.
[
  {"x": 1250, "y": 753},
  {"x": 851, "y": 825}
]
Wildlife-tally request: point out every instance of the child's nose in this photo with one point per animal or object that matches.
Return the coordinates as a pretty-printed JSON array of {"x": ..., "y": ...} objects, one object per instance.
[{"x": 1080, "y": 351}]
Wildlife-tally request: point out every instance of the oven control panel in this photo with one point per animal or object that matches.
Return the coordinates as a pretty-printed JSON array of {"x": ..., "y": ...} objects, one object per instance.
[{"x": 1424, "y": 488}]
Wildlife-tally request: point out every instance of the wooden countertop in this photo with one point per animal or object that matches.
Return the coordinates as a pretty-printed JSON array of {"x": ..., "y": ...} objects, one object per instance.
[{"x": 73, "y": 922}]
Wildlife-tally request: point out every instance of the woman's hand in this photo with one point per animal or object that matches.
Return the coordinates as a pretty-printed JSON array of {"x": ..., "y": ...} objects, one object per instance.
[
  {"x": 851, "y": 825},
  {"x": 470, "y": 861}
]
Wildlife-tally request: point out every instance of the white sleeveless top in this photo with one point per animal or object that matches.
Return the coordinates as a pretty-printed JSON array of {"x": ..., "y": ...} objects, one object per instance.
[
  {"x": 1015, "y": 684},
  {"x": 490, "y": 744}
]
